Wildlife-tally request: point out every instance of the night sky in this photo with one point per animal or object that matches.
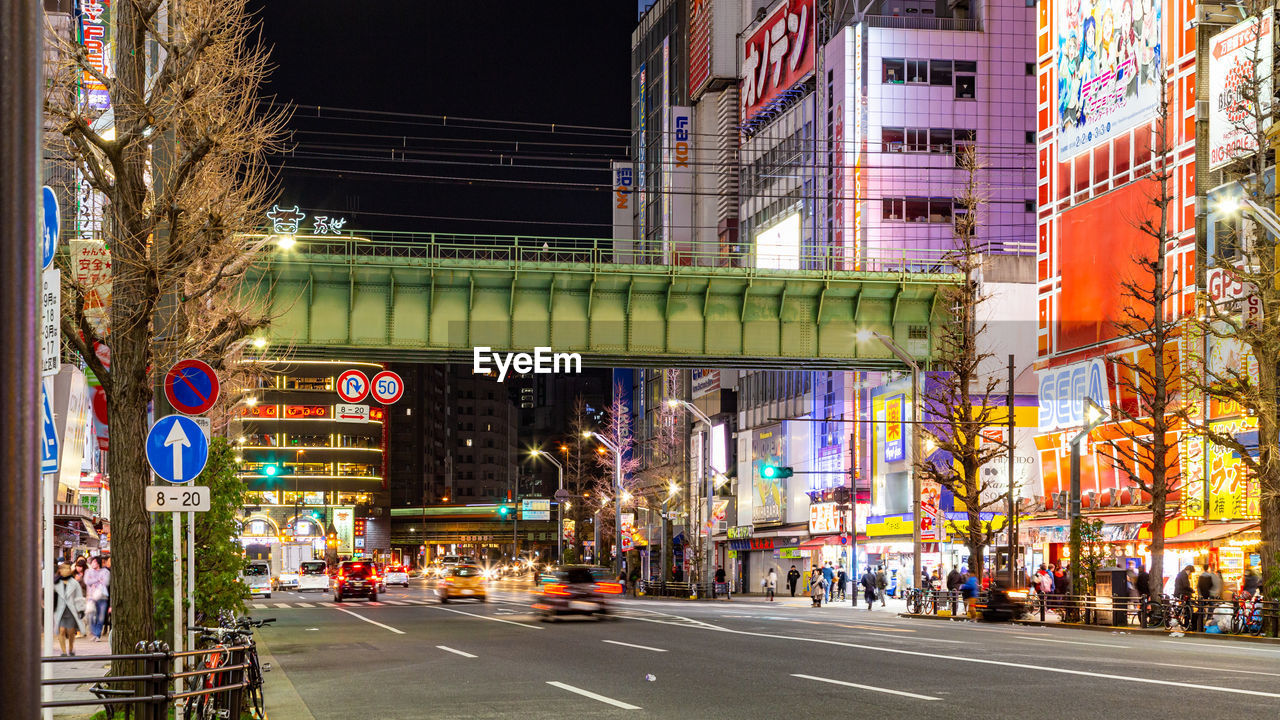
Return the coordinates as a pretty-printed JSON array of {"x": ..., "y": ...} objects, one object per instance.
[{"x": 544, "y": 62}]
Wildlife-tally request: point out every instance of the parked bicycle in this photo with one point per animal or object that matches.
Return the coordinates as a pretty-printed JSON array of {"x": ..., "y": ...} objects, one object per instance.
[
  {"x": 218, "y": 671},
  {"x": 1246, "y": 615}
]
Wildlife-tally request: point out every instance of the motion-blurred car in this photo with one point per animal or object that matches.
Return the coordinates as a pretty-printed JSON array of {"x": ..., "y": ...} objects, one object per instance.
[
  {"x": 313, "y": 575},
  {"x": 256, "y": 577},
  {"x": 286, "y": 580},
  {"x": 356, "y": 579},
  {"x": 578, "y": 590},
  {"x": 463, "y": 581},
  {"x": 396, "y": 575}
]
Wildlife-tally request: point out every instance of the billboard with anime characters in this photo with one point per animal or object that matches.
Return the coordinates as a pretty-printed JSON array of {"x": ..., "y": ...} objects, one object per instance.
[{"x": 1108, "y": 69}]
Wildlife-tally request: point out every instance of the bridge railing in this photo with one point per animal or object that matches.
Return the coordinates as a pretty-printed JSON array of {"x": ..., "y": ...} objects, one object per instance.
[{"x": 434, "y": 249}]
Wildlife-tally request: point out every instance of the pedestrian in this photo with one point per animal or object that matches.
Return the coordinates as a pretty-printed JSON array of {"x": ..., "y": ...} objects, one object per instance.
[
  {"x": 882, "y": 584},
  {"x": 793, "y": 578},
  {"x": 1041, "y": 580},
  {"x": 634, "y": 577},
  {"x": 1252, "y": 581},
  {"x": 106, "y": 622},
  {"x": 842, "y": 580},
  {"x": 1216, "y": 577},
  {"x": 868, "y": 583},
  {"x": 715, "y": 590},
  {"x": 68, "y": 606},
  {"x": 969, "y": 591},
  {"x": 1142, "y": 583},
  {"x": 771, "y": 583},
  {"x": 1182, "y": 583},
  {"x": 1204, "y": 583},
  {"x": 829, "y": 575},
  {"x": 954, "y": 580},
  {"x": 98, "y": 581},
  {"x": 817, "y": 586}
]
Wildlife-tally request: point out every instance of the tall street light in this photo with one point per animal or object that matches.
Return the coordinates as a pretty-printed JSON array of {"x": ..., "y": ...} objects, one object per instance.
[
  {"x": 917, "y": 488},
  {"x": 561, "y": 496},
  {"x": 707, "y": 572},
  {"x": 617, "y": 496},
  {"x": 1093, "y": 417}
]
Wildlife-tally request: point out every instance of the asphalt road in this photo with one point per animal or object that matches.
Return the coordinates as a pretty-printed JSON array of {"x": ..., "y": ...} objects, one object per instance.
[{"x": 742, "y": 659}]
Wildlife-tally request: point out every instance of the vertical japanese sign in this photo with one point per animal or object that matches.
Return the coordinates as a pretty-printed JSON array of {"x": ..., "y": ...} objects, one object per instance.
[
  {"x": 769, "y": 503},
  {"x": 1234, "y": 492},
  {"x": 91, "y": 269},
  {"x": 678, "y": 181},
  {"x": 1234, "y": 58},
  {"x": 94, "y": 24},
  {"x": 344, "y": 522},
  {"x": 895, "y": 436},
  {"x": 779, "y": 54},
  {"x": 628, "y": 531},
  {"x": 624, "y": 188},
  {"x": 642, "y": 229},
  {"x": 931, "y": 529},
  {"x": 700, "y": 19}
]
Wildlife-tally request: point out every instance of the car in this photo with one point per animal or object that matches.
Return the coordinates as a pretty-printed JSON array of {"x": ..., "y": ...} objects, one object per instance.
[
  {"x": 448, "y": 562},
  {"x": 313, "y": 575},
  {"x": 286, "y": 580},
  {"x": 256, "y": 577},
  {"x": 396, "y": 575},
  {"x": 462, "y": 581},
  {"x": 356, "y": 578},
  {"x": 578, "y": 590}
]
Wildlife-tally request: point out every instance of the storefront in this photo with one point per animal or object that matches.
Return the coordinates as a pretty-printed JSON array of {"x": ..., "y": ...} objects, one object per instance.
[
  {"x": 753, "y": 552},
  {"x": 1232, "y": 547},
  {"x": 1125, "y": 541}
]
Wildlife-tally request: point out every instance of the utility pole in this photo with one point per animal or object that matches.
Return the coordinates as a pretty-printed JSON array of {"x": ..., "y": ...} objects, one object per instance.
[
  {"x": 1010, "y": 524},
  {"x": 21, "y": 37}
]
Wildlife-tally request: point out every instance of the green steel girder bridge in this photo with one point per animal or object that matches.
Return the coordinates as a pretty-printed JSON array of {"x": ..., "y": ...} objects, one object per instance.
[{"x": 434, "y": 298}]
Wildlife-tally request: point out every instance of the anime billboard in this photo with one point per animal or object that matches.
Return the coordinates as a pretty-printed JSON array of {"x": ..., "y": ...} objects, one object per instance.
[{"x": 1108, "y": 68}]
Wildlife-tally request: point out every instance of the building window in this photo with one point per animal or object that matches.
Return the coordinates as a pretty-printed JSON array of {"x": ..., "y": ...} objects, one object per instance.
[
  {"x": 1031, "y": 137},
  {"x": 940, "y": 72},
  {"x": 966, "y": 79},
  {"x": 918, "y": 71},
  {"x": 1031, "y": 69},
  {"x": 918, "y": 209},
  {"x": 940, "y": 140},
  {"x": 1029, "y": 205},
  {"x": 917, "y": 139},
  {"x": 894, "y": 70},
  {"x": 892, "y": 208},
  {"x": 891, "y": 139},
  {"x": 468, "y": 443}
]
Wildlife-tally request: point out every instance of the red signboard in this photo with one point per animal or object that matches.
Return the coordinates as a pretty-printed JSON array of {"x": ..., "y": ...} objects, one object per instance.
[
  {"x": 304, "y": 412},
  {"x": 260, "y": 411},
  {"x": 699, "y": 45},
  {"x": 779, "y": 54}
]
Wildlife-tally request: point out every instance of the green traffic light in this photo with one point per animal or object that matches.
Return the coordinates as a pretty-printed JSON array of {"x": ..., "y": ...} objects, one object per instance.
[
  {"x": 270, "y": 470},
  {"x": 776, "y": 472}
]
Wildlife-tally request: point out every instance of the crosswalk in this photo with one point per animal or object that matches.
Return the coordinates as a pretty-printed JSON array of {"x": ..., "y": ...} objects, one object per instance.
[{"x": 267, "y": 605}]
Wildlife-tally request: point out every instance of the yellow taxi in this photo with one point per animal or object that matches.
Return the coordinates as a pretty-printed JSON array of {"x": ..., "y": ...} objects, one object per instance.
[{"x": 462, "y": 581}]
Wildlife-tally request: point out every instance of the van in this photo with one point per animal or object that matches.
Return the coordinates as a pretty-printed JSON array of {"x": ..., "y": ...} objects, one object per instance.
[
  {"x": 256, "y": 577},
  {"x": 313, "y": 575}
]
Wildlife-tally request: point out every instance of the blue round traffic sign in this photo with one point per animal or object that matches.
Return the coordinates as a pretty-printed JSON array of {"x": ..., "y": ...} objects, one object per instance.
[
  {"x": 177, "y": 449},
  {"x": 191, "y": 387},
  {"x": 49, "y": 234}
]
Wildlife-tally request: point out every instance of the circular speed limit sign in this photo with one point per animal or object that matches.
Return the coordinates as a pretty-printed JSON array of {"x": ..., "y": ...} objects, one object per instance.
[
  {"x": 353, "y": 386},
  {"x": 387, "y": 387}
]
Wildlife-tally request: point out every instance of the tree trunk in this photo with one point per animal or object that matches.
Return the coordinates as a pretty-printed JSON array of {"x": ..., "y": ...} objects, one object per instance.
[{"x": 1158, "y": 521}]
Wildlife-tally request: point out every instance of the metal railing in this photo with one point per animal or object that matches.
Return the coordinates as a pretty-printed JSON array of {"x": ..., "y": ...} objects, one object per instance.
[
  {"x": 909, "y": 22},
  {"x": 676, "y": 589},
  {"x": 152, "y": 688},
  {"x": 1238, "y": 616}
]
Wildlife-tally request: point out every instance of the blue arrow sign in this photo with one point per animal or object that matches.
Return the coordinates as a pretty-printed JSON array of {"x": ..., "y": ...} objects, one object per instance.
[
  {"x": 49, "y": 436},
  {"x": 49, "y": 237},
  {"x": 177, "y": 449}
]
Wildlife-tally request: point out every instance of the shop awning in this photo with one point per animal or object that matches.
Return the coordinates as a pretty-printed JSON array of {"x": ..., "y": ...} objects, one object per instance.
[
  {"x": 1211, "y": 531},
  {"x": 817, "y": 542},
  {"x": 1110, "y": 519}
]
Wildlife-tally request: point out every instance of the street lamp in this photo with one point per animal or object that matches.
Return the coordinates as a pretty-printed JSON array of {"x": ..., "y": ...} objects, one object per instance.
[
  {"x": 561, "y": 496},
  {"x": 917, "y": 487},
  {"x": 710, "y": 491},
  {"x": 1093, "y": 416},
  {"x": 1231, "y": 204},
  {"x": 617, "y": 494}
]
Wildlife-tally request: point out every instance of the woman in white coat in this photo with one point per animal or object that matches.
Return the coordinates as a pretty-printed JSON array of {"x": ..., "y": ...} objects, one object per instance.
[{"x": 68, "y": 606}]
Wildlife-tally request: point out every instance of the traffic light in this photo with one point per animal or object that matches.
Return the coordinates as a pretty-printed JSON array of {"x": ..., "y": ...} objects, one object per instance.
[
  {"x": 503, "y": 510},
  {"x": 271, "y": 470},
  {"x": 776, "y": 472}
]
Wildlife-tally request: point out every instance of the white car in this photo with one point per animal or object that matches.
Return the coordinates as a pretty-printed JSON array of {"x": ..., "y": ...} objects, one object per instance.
[
  {"x": 256, "y": 577},
  {"x": 287, "y": 580},
  {"x": 313, "y": 575},
  {"x": 397, "y": 575}
]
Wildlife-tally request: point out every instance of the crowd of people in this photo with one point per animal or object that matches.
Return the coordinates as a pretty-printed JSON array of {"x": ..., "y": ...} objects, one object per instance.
[{"x": 82, "y": 601}]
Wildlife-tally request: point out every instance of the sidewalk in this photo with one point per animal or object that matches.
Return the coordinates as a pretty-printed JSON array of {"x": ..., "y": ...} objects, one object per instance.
[
  {"x": 1052, "y": 621},
  {"x": 79, "y": 669},
  {"x": 892, "y": 605},
  {"x": 278, "y": 693}
]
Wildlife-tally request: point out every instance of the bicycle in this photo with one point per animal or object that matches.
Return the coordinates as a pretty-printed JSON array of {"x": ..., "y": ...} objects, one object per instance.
[
  {"x": 1152, "y": 612},
  {"x": 1246, "y": 615},
  {"x": 207, "y": 705}
]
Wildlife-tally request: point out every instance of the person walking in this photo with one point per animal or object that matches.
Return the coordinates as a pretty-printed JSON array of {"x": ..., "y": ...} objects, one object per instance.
[
  {"x": 1142, "y": 582},
  {"x": 868, "y": 583},
  {"x": 98, "y": 580},
  {"x": 882, "y": 584},
  {"x": 969, "y": 591},
  {"x": 793, "y": 578},
  {"x": 842, "y": 580},
  {"x": 828, "y": 574},
  {"x": 771, "y": 583},
  {"x": 68, "y": 605},
  {"x": 817, "y": 586},
  {"x": 954, "y": 580}
]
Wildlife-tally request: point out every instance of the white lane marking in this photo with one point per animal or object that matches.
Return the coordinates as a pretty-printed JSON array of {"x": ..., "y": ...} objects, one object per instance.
[
  {"x": 302, "y": 604},
  {"x": 1217, "y": 669},
  {"x": 979, "y": 661},
  {"x": 327, "y": 604},
  {"x": 280, "y": 605},
  {"x": 1195, "y": 644},
  {"x": 594, "y": 696},
  {"x": 915, "y": 638},
  {"x": 642, "y": 647},
  {"x": 1070, "y": 642},
  {"x": 865, "y": 687},
  {"x": 371, "y": 622},
  {"x": 259, "y": 606},
  {"x": 486, "y": 617},
  {"x": 455, "y": 652}
]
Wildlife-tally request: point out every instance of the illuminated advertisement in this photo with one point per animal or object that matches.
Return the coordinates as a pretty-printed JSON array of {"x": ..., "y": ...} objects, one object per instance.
[
  {"x": 677, "y": 180},
  {"x": 778, "y": 246},
  {"x": 931, "y": 529},
  {"x": 260, "y": 411},
  {"x": 825, "y": 519},
  {"x": 624, "y": 186},
  {"x": 700, "y": 13},
  {"x": 94, "y": 22},
  {"x": 1234, "y": 56},
  {"x": 535, "y": 509},
  {"x": 91, "y": 269},
  {"x": 1062, "y": 391},
  {"x": 769, "y": 503},
  {"x": 779, "y": 54},
  {"x": 641, "y": 213},
  {"x": 1234, "y": 492},
  {"x": 344, "y": 524},
  {"x": 895, "y": 440},
  {"x": 306, "y": 412},
  {"x": 628, "y": 531},
  {"x": 1108, "y": 58},
  {"x": 717, "y": 457}
]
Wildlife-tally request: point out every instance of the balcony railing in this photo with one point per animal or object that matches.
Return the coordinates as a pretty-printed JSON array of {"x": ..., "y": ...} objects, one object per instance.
[{"x": 916, "y": 22}]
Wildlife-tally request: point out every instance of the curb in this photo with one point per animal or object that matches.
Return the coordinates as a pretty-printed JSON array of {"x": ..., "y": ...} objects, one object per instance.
[
  {"x": 278, "y": 693},
  {"x": 1129, "y": 629}
]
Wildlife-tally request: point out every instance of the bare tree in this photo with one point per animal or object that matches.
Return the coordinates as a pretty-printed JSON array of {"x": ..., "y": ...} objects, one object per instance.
[
  {"x": 581, "y": 472},
  {"x": 965, "y": 399},
  {"x": 184, "y": 181},
  {"x": 617, "y": 430},
  {"x": 1145, "y": 448},
  {"x": 1249, "y": 260}
]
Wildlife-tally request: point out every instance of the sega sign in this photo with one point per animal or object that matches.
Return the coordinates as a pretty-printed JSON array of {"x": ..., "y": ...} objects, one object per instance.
[{"x": 1062, "y": 392}]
